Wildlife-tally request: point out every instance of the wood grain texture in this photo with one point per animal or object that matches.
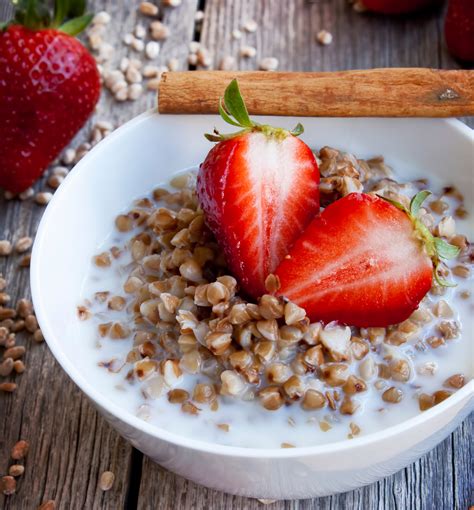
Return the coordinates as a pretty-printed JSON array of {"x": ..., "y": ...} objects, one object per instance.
[
  {"x": 70, "y": 443},
  {"x": 362, "y": 93}
]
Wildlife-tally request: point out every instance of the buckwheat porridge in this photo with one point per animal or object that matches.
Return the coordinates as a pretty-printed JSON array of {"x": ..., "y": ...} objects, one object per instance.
[{"x": 181, "y": 347}]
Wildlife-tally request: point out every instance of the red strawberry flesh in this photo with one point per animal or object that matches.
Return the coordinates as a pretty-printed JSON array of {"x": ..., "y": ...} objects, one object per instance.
[
  {"x": 258, "y": 192},
  {"x": 360, "y": 262}
]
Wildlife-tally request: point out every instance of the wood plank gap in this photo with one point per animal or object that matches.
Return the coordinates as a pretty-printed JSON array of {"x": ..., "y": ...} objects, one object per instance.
[
  {"x": 201, "y": 5},
  {"x": 453, "y": 465},
  {"x": 134, "y": 479}
]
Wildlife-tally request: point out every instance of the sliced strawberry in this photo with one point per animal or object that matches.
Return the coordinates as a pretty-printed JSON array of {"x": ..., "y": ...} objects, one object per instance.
[
  {"x": 363, "y": 262},
  {"x": 259, "y": 190}
]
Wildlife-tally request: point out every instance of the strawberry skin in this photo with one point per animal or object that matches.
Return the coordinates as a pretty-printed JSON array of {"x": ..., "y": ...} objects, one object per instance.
[
  {"x": 459, "y": 29},
  {"x": 360, "y": 263},
  {"x": 396, "y": 6},
  {"x": 258, "y": 192},
  {"x": 49, "y": 86}
]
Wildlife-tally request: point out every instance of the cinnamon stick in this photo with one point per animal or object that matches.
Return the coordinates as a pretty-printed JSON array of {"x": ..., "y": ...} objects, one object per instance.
[{"x": 396, "y": 92}]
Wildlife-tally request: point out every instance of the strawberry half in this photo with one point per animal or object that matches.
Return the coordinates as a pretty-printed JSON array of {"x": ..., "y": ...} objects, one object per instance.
[
  {"x": 49, "y": 86},
  {"x": 363, "y": 262},
  {"x": 259, "y": 189}
]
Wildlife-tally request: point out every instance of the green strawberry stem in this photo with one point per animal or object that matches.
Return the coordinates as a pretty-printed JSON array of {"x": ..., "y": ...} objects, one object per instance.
[
  {"x": 233, "y": 110},
  {"x": 436, "y": 247},
  {"x": 69, "y": 15}
]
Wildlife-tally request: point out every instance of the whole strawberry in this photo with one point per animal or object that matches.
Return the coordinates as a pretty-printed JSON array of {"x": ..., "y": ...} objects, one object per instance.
[
  {"x": 396, "y": 6},
  {"x": 459, "y": 29},
  {"x": 49, "y": 86},
  {"x": 364, "y": 262},
  {"x": 258, "y": 188}
]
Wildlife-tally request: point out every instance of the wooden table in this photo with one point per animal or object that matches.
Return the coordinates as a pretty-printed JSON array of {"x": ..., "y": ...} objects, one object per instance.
[{"x": 71, "y": 445}]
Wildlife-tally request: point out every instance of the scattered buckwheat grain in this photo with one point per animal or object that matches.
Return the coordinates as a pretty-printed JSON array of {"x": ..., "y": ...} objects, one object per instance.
[
  {"x": 19, "y": 366},
  {"x": 159, "y": 31},
  {"x": 7, "y": 485},
  {"x": 20, "y": 450},
  {"x": 5, "y": 247},
  {"x": 54, "y": 181},
  {"x": 25, "y": 261},
  {"x": 27, "y": 194},
  {"x": 227, "y": 63},
  {"x": 106, "y": 480},
  {"x": 101, "y": 18},
  {"x": 268, "y": 64},
  {"x": 38, "y": 336},
  {"x": 43, "y": 197},
  {"x": 8, "y": 387},
  {"x": 173, "y": 64},
  {"x": 23, "y": 244},
  {"x": 152, "y": 49},
  {"x": 324, "y": 37},
  {"x": 148, "y": 9},
  {"x": 14, "y": 353},
  {"x": 250, "y": 26},
  {"x": 248, "y": 51},
  {"x": 16, "y": 470}
]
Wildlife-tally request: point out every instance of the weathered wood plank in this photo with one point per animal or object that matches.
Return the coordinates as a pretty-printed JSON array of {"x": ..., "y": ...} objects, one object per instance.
[
  {"x": 287, "y": 31},
  {"x": 71, "y": 445},
  {"x": 427, "y": 484},
  {"x": 6, "y": 10}
]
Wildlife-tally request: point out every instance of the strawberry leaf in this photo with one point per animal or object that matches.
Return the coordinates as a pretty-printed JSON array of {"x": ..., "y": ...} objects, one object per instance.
[
  {"x": 233, "y": 110},
  {"x": 396, "y": 204},
  {"x": 225, "y": 115},
  {"x": 297, "y": 130},
  {"x": 417, "y": 201},
  {"x": 445, "y": 250},
  {"x": 213, "y": 137},
  {"x": 76, "y": 25},
  {"x": 440, "y": 280},
  {"x": 235, "y": 105}
]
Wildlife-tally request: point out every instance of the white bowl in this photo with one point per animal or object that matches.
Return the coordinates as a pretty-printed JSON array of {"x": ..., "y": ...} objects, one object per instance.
[{"x": 142, "y": 154}]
